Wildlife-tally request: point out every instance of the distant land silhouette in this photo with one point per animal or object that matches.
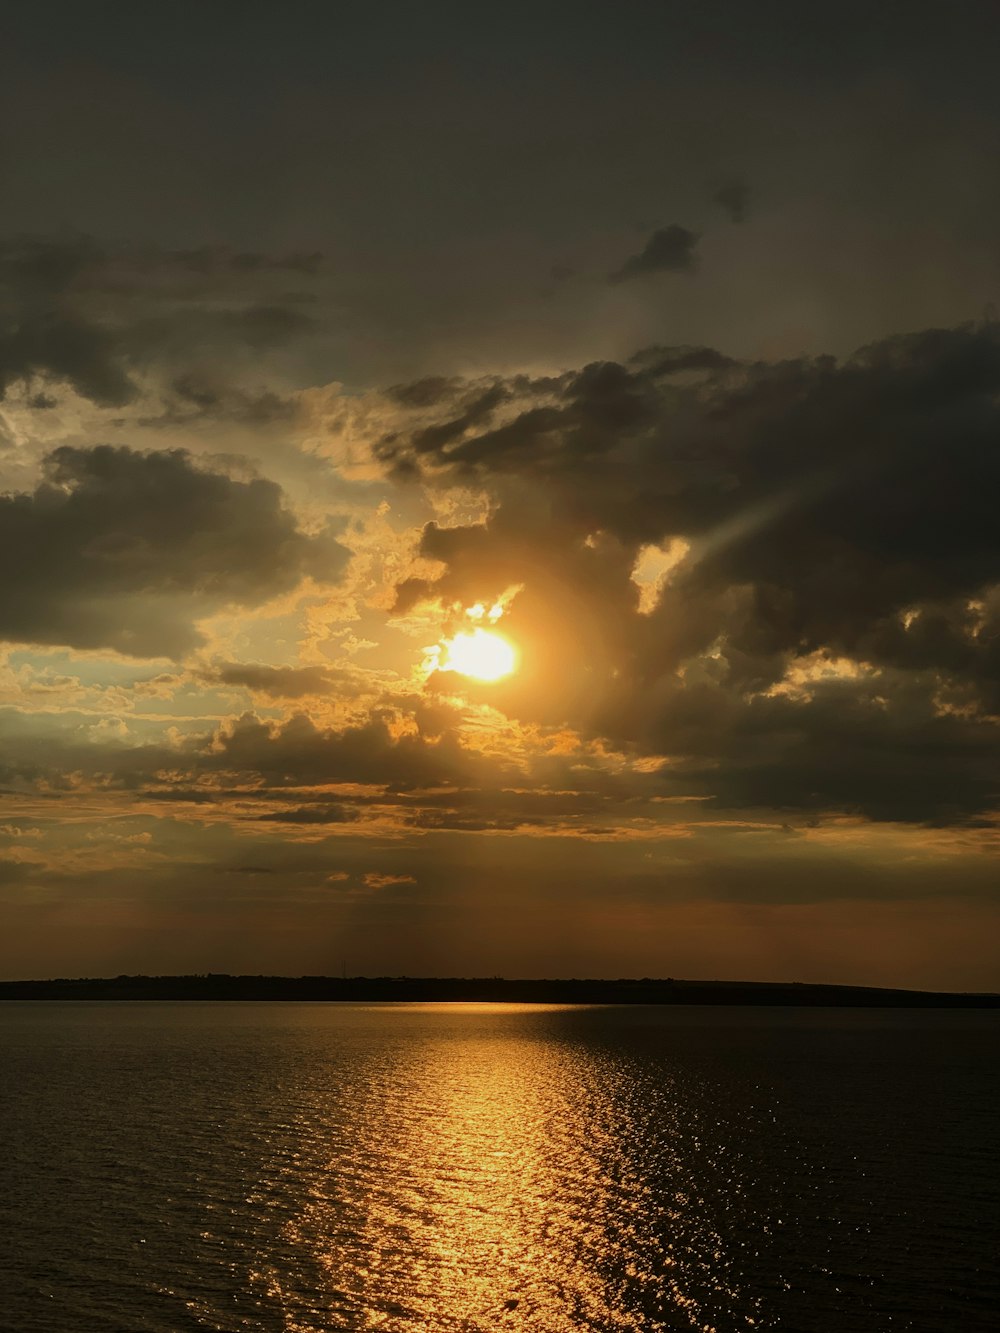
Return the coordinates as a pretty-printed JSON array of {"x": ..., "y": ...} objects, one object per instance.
[{"x": 645, "y": 990}]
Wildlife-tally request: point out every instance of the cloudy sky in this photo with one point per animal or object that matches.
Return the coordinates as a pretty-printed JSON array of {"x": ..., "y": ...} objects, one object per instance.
[{"x": 501, "y": 489}]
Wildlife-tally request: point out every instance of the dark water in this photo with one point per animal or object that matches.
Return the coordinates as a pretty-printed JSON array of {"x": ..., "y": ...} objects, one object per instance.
[{"x": 307, "y": 1167}]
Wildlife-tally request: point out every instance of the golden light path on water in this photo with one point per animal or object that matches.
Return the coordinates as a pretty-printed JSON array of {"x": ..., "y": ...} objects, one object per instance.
[
  {"x": 484, "y": 1181},
  {"x": 312, "y": 1168}
]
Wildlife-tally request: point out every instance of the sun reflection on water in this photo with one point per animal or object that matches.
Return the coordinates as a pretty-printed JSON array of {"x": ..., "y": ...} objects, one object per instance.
[{"x": 487, "y": 1181}]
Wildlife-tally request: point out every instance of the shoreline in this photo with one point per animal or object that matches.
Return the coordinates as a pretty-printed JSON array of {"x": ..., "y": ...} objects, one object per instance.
[{"x": 491, "y": 990}]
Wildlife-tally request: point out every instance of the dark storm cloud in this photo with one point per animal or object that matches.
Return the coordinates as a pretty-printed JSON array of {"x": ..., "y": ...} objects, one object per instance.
[
  {"x": 427, "y": 392},
  {"x": 280, "y": 682},
  {"x": 407, "y": 781},
  {"x": 300, "y": 753},
  {"x": 477, "y": 409},
  {"x": 882, "y": 749},
  {"x": 888, "y": 460},
  {"x": 184, "y": 796},
  {"x": 197, "y": 397},
  {"x": 319, "y": 814},
  {"x": 734, "y": 199},
  {"x": 879, "y": 747},
  {"x": 660, "y": 361},
  {"x": 65, "y": 348},
  {"x": 832, "y": 509},
  {"x": 669, "y": 250},
  {"x": 91, "y": 316},
  {"x": 125, "y": 550},
  {"x": 411, "y": 781}
]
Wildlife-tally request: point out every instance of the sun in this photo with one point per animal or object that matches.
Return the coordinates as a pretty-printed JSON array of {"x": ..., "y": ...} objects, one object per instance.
[
  {"x": 479, "y": 653},
  {"x": 475, "y": 652}
]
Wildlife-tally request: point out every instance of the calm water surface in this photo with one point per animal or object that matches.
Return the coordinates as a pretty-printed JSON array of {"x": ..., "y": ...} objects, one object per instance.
[{"x": 301, "y": 1167}]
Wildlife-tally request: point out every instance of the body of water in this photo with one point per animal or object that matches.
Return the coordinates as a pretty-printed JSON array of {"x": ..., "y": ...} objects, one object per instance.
[{"x": 296, "y": 1168}]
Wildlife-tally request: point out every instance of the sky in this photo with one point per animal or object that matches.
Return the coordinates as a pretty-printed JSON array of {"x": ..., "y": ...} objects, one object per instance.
[{"x": 500, "y": 490}]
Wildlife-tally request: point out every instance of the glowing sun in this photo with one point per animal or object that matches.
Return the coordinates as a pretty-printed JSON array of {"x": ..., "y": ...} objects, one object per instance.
[{"x": 479, "y": 653}]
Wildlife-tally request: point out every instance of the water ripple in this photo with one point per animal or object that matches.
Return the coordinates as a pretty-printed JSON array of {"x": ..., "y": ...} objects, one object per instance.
[{"x": 303, "y": 1169}]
